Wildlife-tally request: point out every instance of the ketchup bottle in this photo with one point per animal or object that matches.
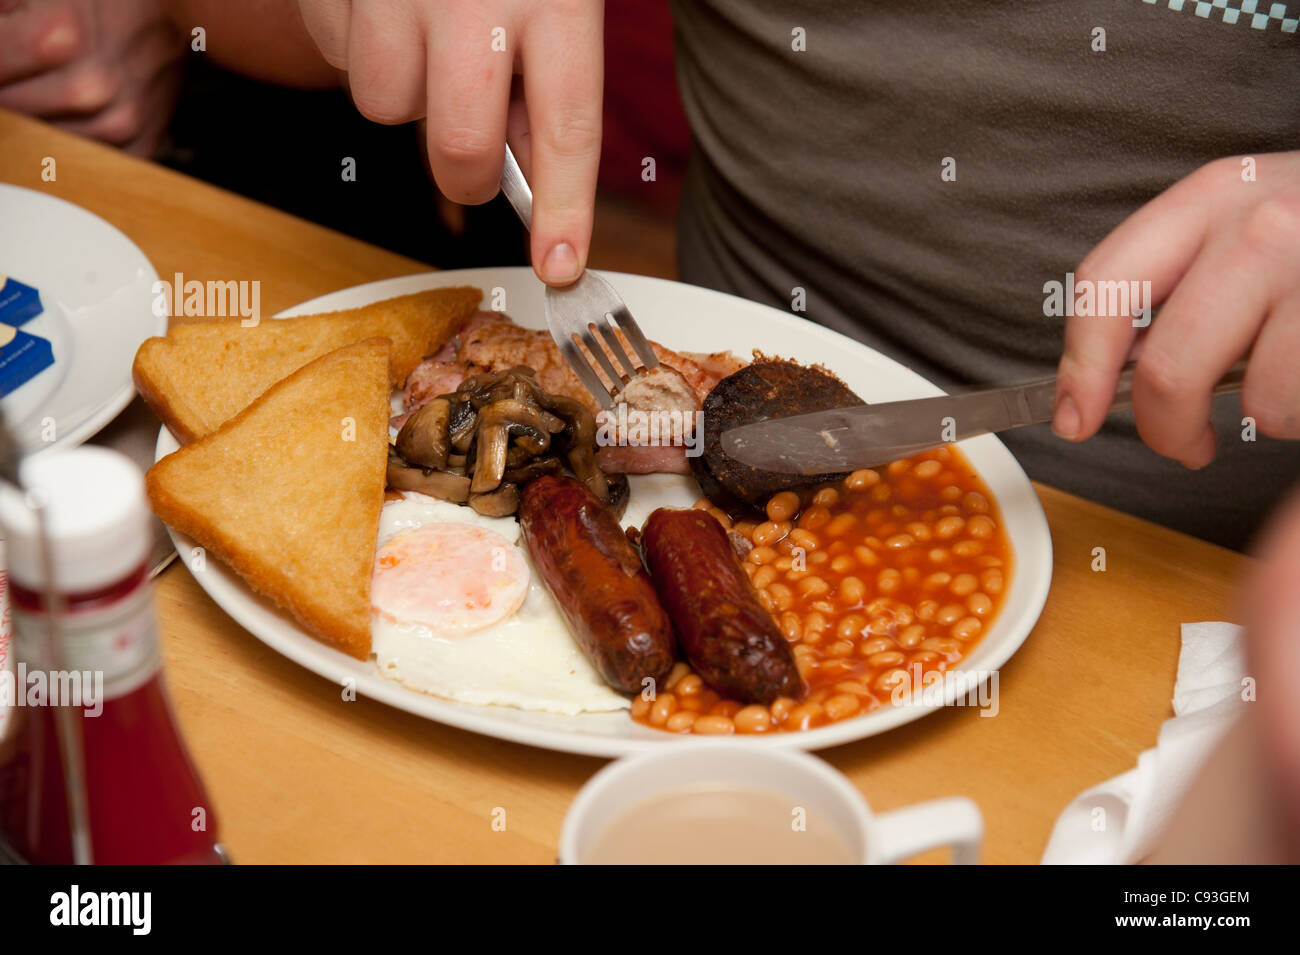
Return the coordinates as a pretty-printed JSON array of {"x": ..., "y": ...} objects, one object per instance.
[{"x": 93, "y": 769}]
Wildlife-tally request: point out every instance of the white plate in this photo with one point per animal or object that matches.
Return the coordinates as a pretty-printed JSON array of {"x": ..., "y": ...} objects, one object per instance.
[
  {"x": 685, "y": 318},
  {"x": 97, "y": 290}
]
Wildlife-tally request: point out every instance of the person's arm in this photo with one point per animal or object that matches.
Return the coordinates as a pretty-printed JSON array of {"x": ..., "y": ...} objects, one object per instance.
[
  {"x": 1219, "y": 250},
  {"x": 266, "y": 40},
  {"x": 1229, "y": 815},
  {"x": 1244, "y": 805}
]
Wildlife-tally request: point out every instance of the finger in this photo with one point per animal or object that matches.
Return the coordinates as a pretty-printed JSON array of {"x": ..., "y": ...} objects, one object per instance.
[
  {"x": 386, "y": 62},
  {"x": 327, "y": 23},
  {"x": 1271, "y": 395},
  {"x": 563, "y": 78},
  {"x": 92, "y": 85},
  {"x": 36, "y": 38},
  {"x": 134, "y": 122},
  {"x": 116, "y": 125},
  {"x": 138, "y": 133},
  {"x": 147, "y": 140},
  {"x": 1208, "y": 323},
  {"x": 468, "y": 93},
  {"x": 82, "y": 88},
  {"x": 1154, "y": 245}
]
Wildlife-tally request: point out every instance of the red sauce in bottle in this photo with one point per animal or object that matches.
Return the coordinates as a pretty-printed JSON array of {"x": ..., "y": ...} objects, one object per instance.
[{"x": 144, "y": 801}]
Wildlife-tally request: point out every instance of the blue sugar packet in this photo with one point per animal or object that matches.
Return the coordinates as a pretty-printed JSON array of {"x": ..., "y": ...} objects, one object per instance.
[
  {"x": 18, "y": 302},
  {"x": 22, "y": 357}
]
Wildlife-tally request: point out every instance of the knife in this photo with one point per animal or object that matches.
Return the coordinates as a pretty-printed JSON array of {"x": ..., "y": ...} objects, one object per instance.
[{"x": 864, "y": 436}]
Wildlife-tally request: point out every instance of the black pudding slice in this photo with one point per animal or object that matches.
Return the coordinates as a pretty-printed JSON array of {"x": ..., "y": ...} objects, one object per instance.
[{"x": 767, "y": 388}]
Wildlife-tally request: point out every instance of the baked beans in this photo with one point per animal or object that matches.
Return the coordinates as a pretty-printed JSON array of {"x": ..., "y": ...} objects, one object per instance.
[
  {"x": 782, "y": 506},
  {"x": 870, "y": 578}
]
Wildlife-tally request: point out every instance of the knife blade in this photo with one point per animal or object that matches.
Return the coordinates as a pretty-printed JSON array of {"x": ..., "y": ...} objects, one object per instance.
[
  {"x": 864, "y": 436},
  {"x": 845, "y": 439}
]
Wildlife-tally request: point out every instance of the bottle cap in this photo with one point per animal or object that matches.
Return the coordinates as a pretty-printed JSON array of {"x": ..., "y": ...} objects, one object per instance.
[{"x": 96, "y": 516}]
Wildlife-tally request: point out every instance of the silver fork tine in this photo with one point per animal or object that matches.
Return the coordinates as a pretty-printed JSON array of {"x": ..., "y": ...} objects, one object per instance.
[
  {"x": 598, "y": 353},
  {"x": 586, "y": 374},
  {"x": 628, "y": 369},
  {"x": 632, "y": 331}
]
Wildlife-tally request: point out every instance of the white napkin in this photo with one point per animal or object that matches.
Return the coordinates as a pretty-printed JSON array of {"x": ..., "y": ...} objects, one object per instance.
[{"x": 1117, "y": 821}]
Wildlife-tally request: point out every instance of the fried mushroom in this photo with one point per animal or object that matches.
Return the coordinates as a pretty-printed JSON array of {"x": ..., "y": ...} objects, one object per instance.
[
  {"x": 440, "y": 484},
  {"x": 423, "y": 438},
  {"x": 481, "y": 443},
  {"x": 501, "y": 502}
]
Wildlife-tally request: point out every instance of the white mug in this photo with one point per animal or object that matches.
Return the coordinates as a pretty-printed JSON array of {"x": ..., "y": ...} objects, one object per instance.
[{"x": 872, "y": 839}]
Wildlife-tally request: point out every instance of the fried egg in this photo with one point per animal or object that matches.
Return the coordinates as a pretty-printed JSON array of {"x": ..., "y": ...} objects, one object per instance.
[{"x": 458, "y": 611}]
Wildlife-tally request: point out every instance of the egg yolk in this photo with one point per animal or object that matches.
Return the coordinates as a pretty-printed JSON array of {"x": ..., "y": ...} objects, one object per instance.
[{"x": 450, "y": 578}]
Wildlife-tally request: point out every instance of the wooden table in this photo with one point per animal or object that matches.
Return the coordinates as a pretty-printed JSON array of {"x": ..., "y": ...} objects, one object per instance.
[{"x": 298, "y": 775}]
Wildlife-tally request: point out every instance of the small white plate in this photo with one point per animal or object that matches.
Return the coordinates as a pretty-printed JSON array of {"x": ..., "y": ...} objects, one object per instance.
[
  {"x": 684, "y": 318},
  {"x": 97, "y": 290}
]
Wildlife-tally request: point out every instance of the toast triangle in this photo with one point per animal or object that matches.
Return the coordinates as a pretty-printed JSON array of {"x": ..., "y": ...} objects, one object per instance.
[
  {"x": 205, "y": 372},
  {"x": 288, "y": 492}
]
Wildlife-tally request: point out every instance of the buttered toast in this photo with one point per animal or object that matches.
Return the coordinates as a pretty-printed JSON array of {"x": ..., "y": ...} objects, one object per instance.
[
  {"x": 204, "y": 373},
  {"x": 289, "y": 491}
]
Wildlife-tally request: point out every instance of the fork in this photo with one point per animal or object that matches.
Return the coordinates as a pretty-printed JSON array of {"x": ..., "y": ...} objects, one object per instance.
[{"x": 577, "y": 313}]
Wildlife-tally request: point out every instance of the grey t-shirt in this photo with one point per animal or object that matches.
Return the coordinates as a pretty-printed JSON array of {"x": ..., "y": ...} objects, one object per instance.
[{"x": 821, "y": 168}]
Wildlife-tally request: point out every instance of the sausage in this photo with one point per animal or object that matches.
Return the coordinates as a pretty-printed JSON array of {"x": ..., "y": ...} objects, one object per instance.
[
  {"x": 595, "y": 573},
  {"x": 731, "y": 641}
]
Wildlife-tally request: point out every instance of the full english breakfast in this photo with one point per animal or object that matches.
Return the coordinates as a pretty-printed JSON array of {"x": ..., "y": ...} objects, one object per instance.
[{"x": 430, "y": 487}]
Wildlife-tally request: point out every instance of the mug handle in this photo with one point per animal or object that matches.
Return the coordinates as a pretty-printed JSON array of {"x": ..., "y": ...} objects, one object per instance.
[{"x": 906, "y": 832}]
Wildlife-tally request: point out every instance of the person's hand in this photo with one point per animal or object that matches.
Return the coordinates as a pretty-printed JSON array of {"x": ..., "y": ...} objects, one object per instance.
[
  {"x": 453, "y": 62},
  {"x": 106, "y": 69},
  {"x": 1223, "y": 255}
]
